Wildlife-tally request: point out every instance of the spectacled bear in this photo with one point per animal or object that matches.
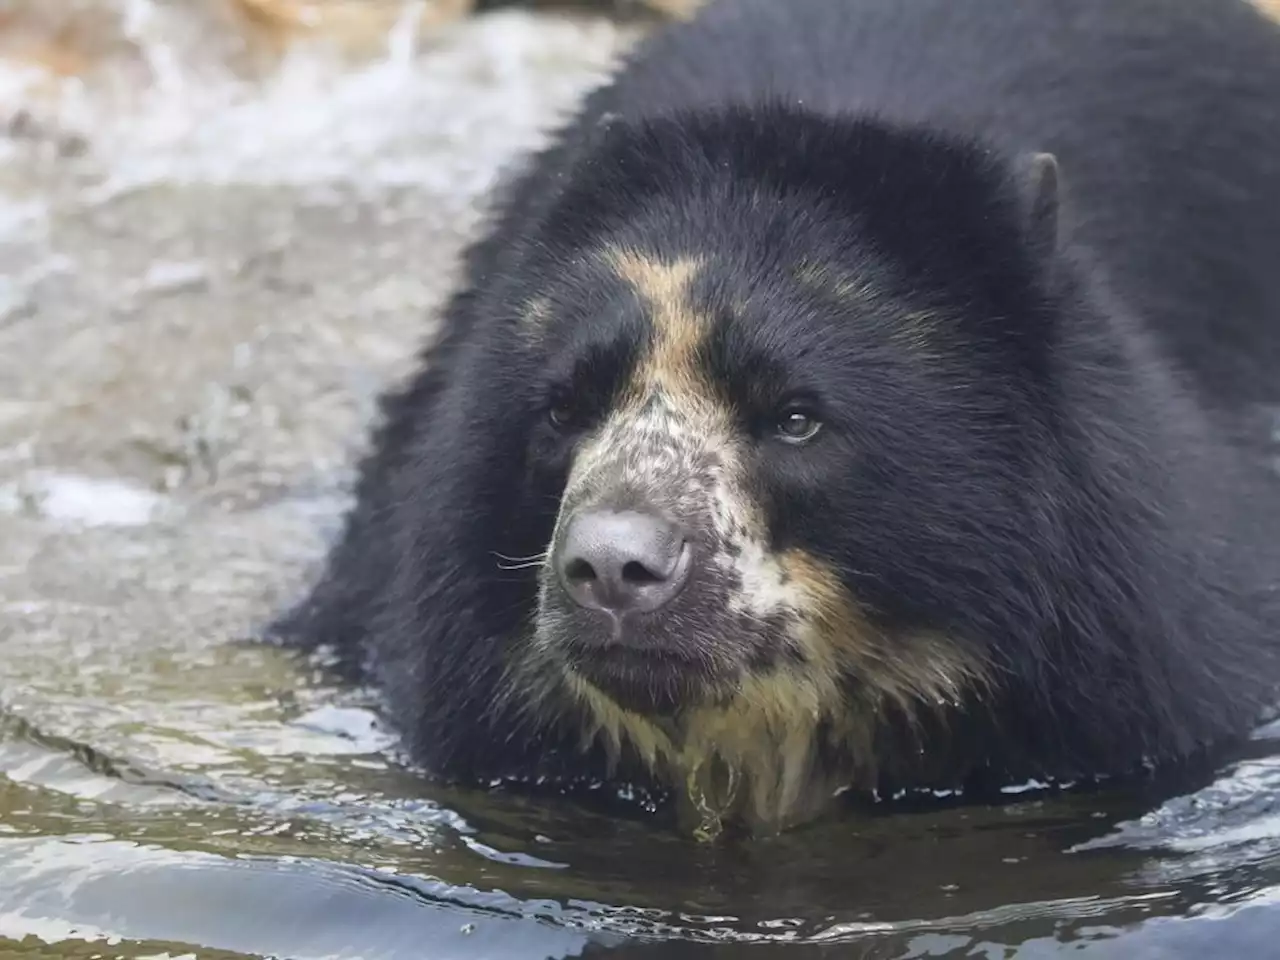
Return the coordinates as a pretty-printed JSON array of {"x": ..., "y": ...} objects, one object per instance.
[{"x": 855, "y": 395}]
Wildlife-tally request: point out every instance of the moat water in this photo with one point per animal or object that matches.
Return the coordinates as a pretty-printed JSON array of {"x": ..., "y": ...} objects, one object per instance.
[{"x": 208, "y": 267}]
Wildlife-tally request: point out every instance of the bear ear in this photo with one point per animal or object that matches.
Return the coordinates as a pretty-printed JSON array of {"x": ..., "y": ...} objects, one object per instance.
[{"x": 1038, "y": 180}]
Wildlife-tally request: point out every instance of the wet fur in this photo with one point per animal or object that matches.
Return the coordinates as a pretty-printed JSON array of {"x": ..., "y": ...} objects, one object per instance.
[{"x": 1052, "y": 551}]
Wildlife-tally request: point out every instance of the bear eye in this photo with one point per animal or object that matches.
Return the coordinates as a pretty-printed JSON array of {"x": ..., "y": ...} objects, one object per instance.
[
  {"x": 797, "y": 425},
  {"x": 562, "y": 411},
  {"x": 560, "y": 414}
]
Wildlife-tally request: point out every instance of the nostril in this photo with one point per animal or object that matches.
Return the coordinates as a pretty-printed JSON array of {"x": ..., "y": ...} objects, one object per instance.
[
  {"x": 578, "y": 570},
  {"x": 636, "y": 572}
]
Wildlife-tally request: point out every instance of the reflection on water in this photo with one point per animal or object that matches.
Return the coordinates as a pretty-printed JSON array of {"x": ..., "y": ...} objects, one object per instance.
[{"x": 209, "y": 263}]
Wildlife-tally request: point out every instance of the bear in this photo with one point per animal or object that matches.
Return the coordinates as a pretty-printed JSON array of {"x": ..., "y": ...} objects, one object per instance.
[{"x": 853, "y": 398}]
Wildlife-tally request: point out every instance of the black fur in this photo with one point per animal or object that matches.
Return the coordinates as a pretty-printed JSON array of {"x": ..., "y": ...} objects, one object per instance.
[{"x": 1070, "y": 479}]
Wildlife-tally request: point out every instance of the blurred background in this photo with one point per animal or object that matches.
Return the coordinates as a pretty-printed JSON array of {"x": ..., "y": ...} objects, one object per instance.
[{"x": 225, "y": 225}]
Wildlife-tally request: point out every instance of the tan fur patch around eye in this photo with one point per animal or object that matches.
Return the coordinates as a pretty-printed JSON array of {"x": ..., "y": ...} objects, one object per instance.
[{"x": 679, "y": 330}]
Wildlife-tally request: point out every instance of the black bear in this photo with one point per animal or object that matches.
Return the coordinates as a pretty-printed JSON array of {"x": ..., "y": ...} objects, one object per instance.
[{"x": 856, "y": 395}]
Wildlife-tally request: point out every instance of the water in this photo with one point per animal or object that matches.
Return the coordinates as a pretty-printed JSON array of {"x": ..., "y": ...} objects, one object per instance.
[{"x": 210, "y": 261}]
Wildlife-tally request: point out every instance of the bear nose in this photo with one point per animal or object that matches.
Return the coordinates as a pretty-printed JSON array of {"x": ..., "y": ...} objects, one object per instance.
[{"x": 623, "y": 562}]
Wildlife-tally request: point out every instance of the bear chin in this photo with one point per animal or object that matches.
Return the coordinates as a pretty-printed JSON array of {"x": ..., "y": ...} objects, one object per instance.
[{"x": 644, "y": 682}]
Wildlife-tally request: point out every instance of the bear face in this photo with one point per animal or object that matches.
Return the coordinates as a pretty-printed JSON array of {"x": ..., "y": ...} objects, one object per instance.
[{"x": 774, "y": 419}]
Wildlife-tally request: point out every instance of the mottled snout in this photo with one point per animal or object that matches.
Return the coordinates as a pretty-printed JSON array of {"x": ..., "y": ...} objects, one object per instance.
[{"x": 622, "y": 561}]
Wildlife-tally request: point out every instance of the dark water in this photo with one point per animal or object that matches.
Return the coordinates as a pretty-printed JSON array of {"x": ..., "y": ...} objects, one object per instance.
[
  {"x": 222, "y": 800},
  {"x": 202, "y": 285}
]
